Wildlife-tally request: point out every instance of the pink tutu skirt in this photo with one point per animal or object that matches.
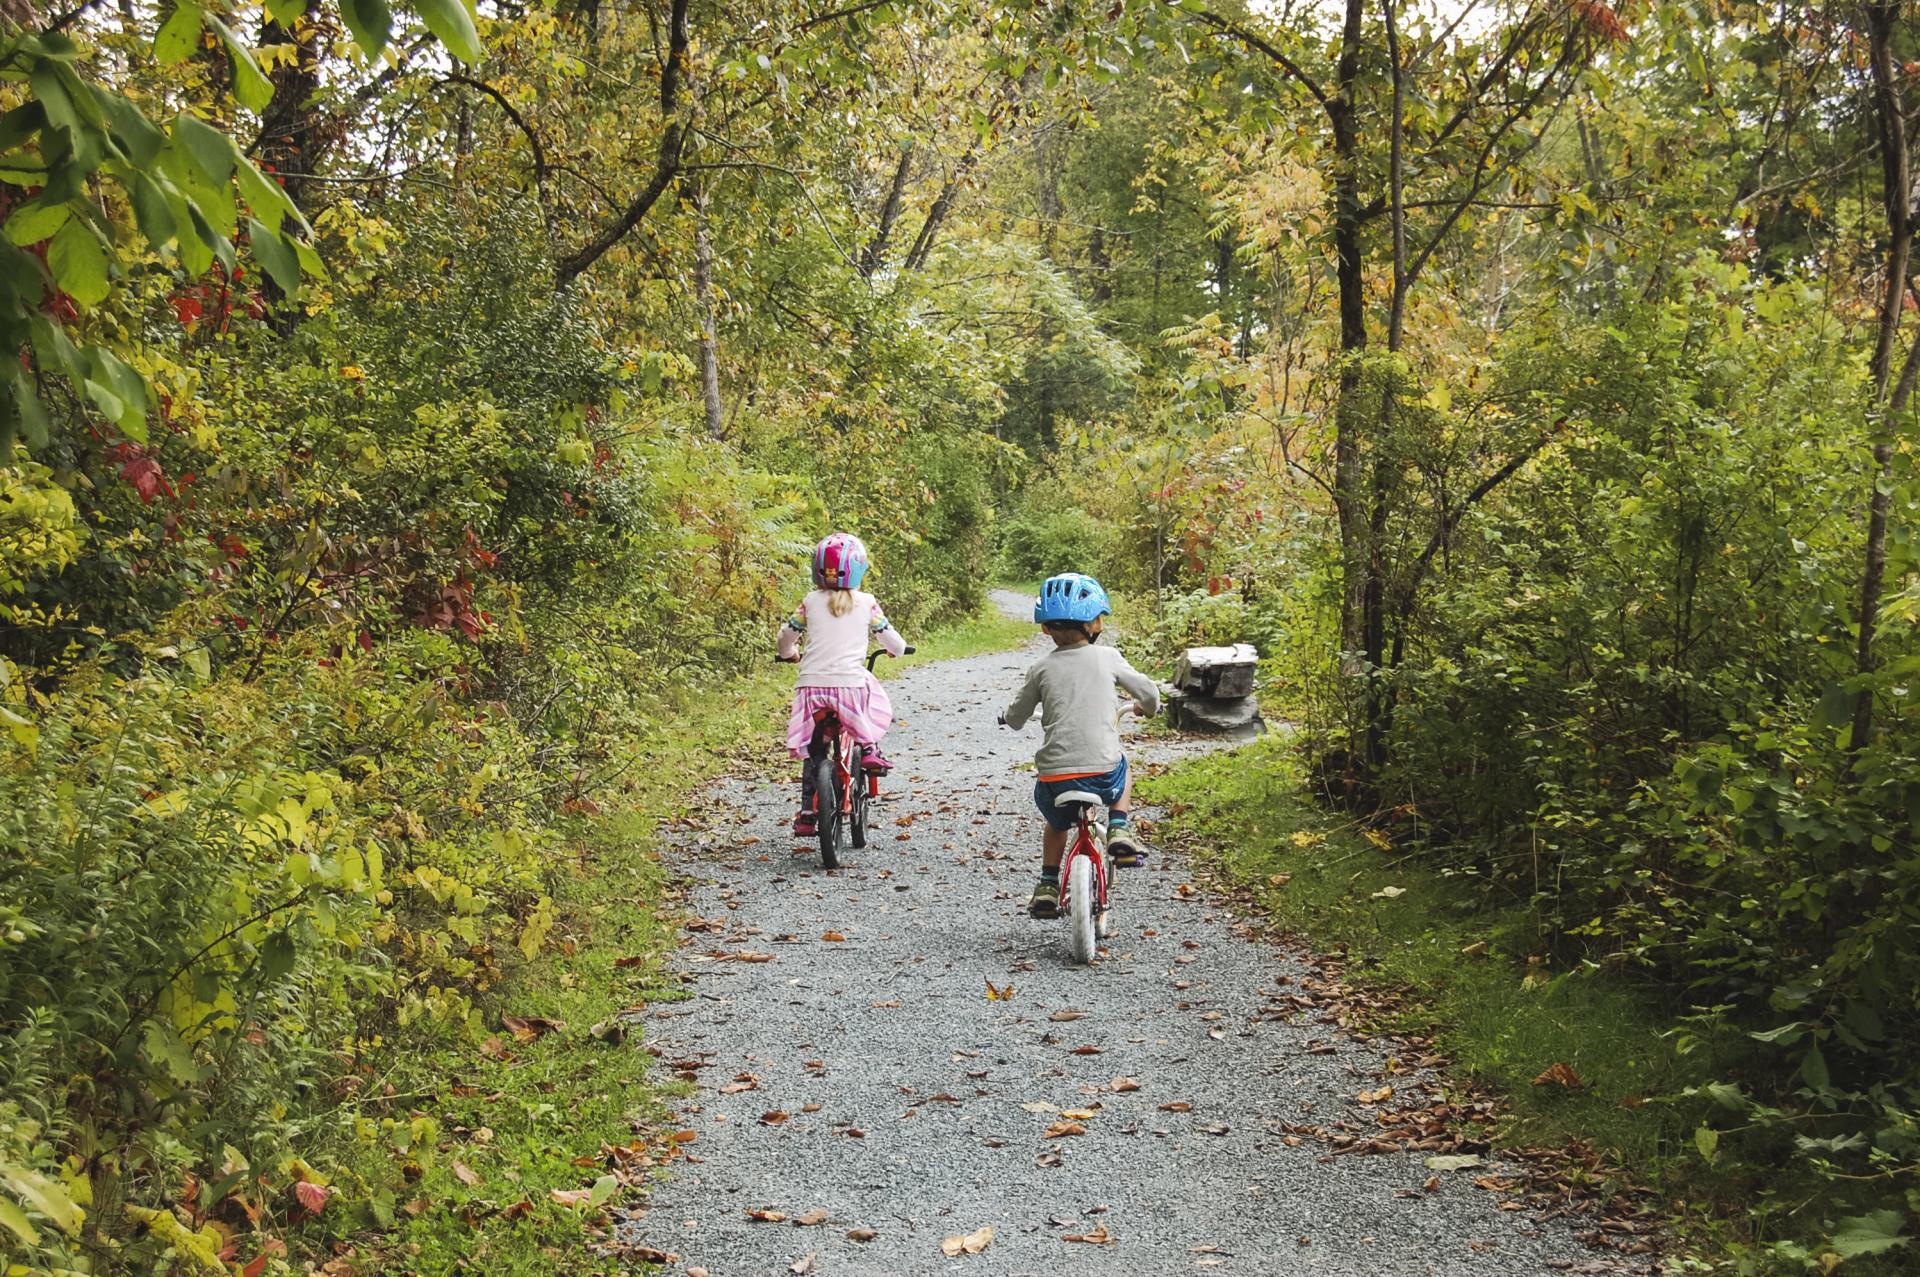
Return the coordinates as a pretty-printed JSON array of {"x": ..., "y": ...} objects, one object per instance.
[{"x": 864, "y": 711}]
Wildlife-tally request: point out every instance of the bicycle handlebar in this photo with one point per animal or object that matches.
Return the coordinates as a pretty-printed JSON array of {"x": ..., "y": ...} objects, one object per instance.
[{"x": 874, "y": 656}]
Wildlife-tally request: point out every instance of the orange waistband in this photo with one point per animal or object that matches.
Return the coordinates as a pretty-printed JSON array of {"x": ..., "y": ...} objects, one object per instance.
[{"x": 1076, "y": 775}]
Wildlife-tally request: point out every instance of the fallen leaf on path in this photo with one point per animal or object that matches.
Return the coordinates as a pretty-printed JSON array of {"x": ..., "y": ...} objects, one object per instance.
[
  {"x": 1125, "y": 1084},
  {"x": 1063, "y": 1017},
  {"x": 832, "y": 937},
  {"x": 744, "y": 955},
  {"x": 1086, "y": 1050},
  {"x": 972, "y": 1243},
  {"x": 818, "y": 1215},
  {"x": 1039, "y": 1106},
  {"x": 861, "y": 1234},
  {"x": 1060, "y": 1129},
  {"x": 802, "y": 1265},
  {"x": 1559, "y": 1075},
  {"x": 1432, "y": 1184},
  {"x": 1048, "y": 1158},
  {"x": 773, "y": 1117},
  {"x": 854, "y": 1133},
  {"x": 996, "y": 994},
  {"x": 767, "y": 1216},
  {"x": 735, "y": 1088},
  {"x": 1079, "y": 1115},
  {"x": 463, "y": 1173},
  {"x": 891, "y": 1005},
  {"x": 1098, "y": 1237},
  {"x": 1177, "y": 1106},
  {"x": 1218, "y": 1128},
  {"x": 529, "y": 1028},
  {"x": 1453, "y": 1162},
  {"x": 1374, "y": 1097},
  {"x": 684, "y": 1137}
]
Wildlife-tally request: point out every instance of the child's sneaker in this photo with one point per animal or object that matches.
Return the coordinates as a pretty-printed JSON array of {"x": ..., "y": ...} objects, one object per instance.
[
  {"x": 874, "y": 761},
  {"x": 1124, "y": 849},
  {"x": 1046, "y": 900},
  {"x": 806, "y": 824}
]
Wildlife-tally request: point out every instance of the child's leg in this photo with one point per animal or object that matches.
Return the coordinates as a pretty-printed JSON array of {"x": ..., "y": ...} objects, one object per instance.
[{"x": 1053, "y": 849}]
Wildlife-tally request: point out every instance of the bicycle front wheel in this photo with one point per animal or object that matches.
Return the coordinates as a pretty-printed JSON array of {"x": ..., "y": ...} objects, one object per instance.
[
  {"x": 1081, "y": 907},
  {"x": 826, "y": 792}
]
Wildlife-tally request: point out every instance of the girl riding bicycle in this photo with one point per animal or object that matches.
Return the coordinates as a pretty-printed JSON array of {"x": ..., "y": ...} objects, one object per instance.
[{"x": 838, "y": 620}]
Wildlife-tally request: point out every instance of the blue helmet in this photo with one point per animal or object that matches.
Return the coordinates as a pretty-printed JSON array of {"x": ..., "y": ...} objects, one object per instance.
[{"x": 1071, "y": 596}]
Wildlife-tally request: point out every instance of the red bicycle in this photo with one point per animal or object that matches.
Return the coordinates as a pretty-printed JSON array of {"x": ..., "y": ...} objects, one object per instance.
[
  {"x": 842, "y": 787},
  {"x": 1084, "y": 880}
]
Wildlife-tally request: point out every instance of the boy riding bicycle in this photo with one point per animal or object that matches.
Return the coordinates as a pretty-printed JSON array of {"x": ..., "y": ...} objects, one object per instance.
[{"x": 1073, "y": 686}]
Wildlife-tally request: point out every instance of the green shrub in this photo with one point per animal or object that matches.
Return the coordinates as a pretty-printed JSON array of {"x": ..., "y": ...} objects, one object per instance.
[{"x": 1041, "y": 540}]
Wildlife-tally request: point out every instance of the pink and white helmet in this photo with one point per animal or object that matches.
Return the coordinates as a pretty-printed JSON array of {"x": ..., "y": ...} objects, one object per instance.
[{"x": 840, "y": 562}]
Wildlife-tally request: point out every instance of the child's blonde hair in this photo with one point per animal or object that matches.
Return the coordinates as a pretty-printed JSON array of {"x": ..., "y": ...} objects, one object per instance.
[{"x": 839, "y": 602}]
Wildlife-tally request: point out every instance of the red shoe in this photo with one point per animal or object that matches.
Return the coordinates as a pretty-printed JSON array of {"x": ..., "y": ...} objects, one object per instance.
[
  {"x": 806, "y": 825},
  {"x": 874, "y": 761}
]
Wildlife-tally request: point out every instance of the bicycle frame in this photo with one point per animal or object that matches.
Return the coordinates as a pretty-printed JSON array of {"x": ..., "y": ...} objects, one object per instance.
[{"x": 1084, "y": 844}]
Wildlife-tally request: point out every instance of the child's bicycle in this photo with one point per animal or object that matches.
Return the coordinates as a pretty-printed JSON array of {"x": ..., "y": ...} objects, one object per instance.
[
  {"x": 1084, "y": 877},
  {"x": 842, "y": 788}
]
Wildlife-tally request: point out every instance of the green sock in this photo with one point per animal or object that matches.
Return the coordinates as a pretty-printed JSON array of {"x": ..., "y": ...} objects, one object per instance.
[{"x": 1050, "y": 873}]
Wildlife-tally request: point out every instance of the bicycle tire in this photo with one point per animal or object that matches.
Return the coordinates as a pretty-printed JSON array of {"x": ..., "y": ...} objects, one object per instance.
[
  {"x": 826, "y": 792},
  {"x": 857, "y": 824},
  {"x": 1080, "y": 910}
]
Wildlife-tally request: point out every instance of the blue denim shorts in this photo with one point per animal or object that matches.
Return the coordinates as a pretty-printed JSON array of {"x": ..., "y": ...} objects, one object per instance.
[{"x": 1060, "y": 819}]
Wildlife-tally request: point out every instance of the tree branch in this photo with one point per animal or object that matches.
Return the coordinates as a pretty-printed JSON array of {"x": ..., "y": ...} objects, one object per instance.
[{"x": 1256, "y": 42}]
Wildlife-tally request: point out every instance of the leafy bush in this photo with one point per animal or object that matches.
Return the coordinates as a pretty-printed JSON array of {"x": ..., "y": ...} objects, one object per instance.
[{"x": 1043, "y": 539}]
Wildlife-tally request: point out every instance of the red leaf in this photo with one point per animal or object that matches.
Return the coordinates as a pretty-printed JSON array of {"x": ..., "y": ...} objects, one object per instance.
[{"x": 312, "y": 1196}]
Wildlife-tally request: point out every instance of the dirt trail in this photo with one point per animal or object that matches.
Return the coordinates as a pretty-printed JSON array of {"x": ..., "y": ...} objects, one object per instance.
[{"x": 919, "y": 1108}]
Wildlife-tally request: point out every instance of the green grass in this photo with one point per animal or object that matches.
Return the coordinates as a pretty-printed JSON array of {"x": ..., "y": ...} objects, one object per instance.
[
  {"x": 1502, "y": 1018},
  {"x": 455, "y": 1092}
]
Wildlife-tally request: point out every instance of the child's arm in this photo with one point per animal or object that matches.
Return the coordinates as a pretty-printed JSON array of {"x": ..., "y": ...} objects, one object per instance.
[
  {"x": 1017, "y": 714},
  {"x": 1138, "y": 686},
  {"x": 791, "y": 630},
  {"x": 885, "y": 635}
]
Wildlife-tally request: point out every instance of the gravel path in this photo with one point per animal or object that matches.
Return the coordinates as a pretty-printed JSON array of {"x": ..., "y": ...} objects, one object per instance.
[{"x": 872, "y": 1078}]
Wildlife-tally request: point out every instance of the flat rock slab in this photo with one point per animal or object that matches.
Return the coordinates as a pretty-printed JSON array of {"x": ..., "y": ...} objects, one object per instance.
[
  {"x": 912, "y": 1076},
  {"x": 1224, "y": 672}
]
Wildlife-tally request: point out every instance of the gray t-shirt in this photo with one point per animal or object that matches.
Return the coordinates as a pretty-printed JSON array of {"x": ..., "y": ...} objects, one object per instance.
[{"x": 1073, "y": 687}]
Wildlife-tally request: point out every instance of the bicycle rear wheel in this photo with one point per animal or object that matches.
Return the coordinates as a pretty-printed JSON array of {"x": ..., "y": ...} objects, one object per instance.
[
  {"x": 1080, "y": 909},
  {"x": 826, "y": 793}
]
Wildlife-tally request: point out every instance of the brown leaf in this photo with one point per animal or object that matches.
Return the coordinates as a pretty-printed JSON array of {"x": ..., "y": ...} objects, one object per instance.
[
  {"x": 529, "y": 1028},
  {"x": 802, "y": 1265},
  {"x": 1086, "y": 1050},
  {"x": 1124, "y": 1084},
  {"x": 571, "y": 1196},
  {"x": 861, "y": 1234},
  {"x": 832, "y": 937},
  {"x": 632, "y": 961},
  {"x": 1063, "y": 1128},
  {"x": 996, "y": 994},
  {"x": 767, "y": 1215},
  {"x": 818, "y": 1215},
  {"x": 1064, "y": 1017},
  {"x": 463, "y": 1173},
  {"x": 854, "y": 1133},
  {"x": 1177, "y": 1106},
  {"x": 1559, "y": 1075},
  {"x": 773, "y": 1117},
  {"x": 1432, "y": 1185},
  {"x": 1098, "y": 1237},
  {"x": 972, "y": 1243},
  {"x": 735, "y": 1088},
  {"x": 1374, "y": 1097}
]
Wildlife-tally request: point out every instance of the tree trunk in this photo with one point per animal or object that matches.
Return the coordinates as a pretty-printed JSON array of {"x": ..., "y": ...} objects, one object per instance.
[
  {"x": 1897, "y": 187},
  {"x": 709, "y": 341},
  {"x": 876, "y": 251},
  {"x": 1349, "y": 485}
]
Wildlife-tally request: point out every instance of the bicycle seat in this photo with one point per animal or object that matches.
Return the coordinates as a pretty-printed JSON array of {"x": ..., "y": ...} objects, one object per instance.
[{"x": 1079, "y": 798}]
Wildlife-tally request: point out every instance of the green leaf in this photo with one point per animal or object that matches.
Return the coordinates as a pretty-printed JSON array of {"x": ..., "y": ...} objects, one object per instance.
[
  {"x": 1813, "y": 1069},
  {"x": 179, "y": 35},
  {"x": 163, "y": 1048},
  {"x": 285, "y": 11},
  {"x": 1835, "y": 708},
  {"x": 449, "y": 20},
  {"x": 250, "y": 83},
  {"x": 129, "y": 389},
  {"x": 150, "y": 210},
  {"x": 210, "y": 150},
  {"x": 371, "y": 23},
  {"x": 265, "y": 198},
  {"x": 1871, "y": 1234},
  {"x": 139, "y": 138},
  {"x": 20, "y": 124},
  {"x": 32, "y": 414},
  {"x": 16, "y": 1220},
  {"x": 45, "y": 1196},
  {"x": 191, "y": 239},
  {"x": 35, "y": 221},
  {"x": 279, "y": 261},
  {"x": 78, "y": 265},
  {"x": 276, "y": 957},
  {"x": 602, "y": 1190}
]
